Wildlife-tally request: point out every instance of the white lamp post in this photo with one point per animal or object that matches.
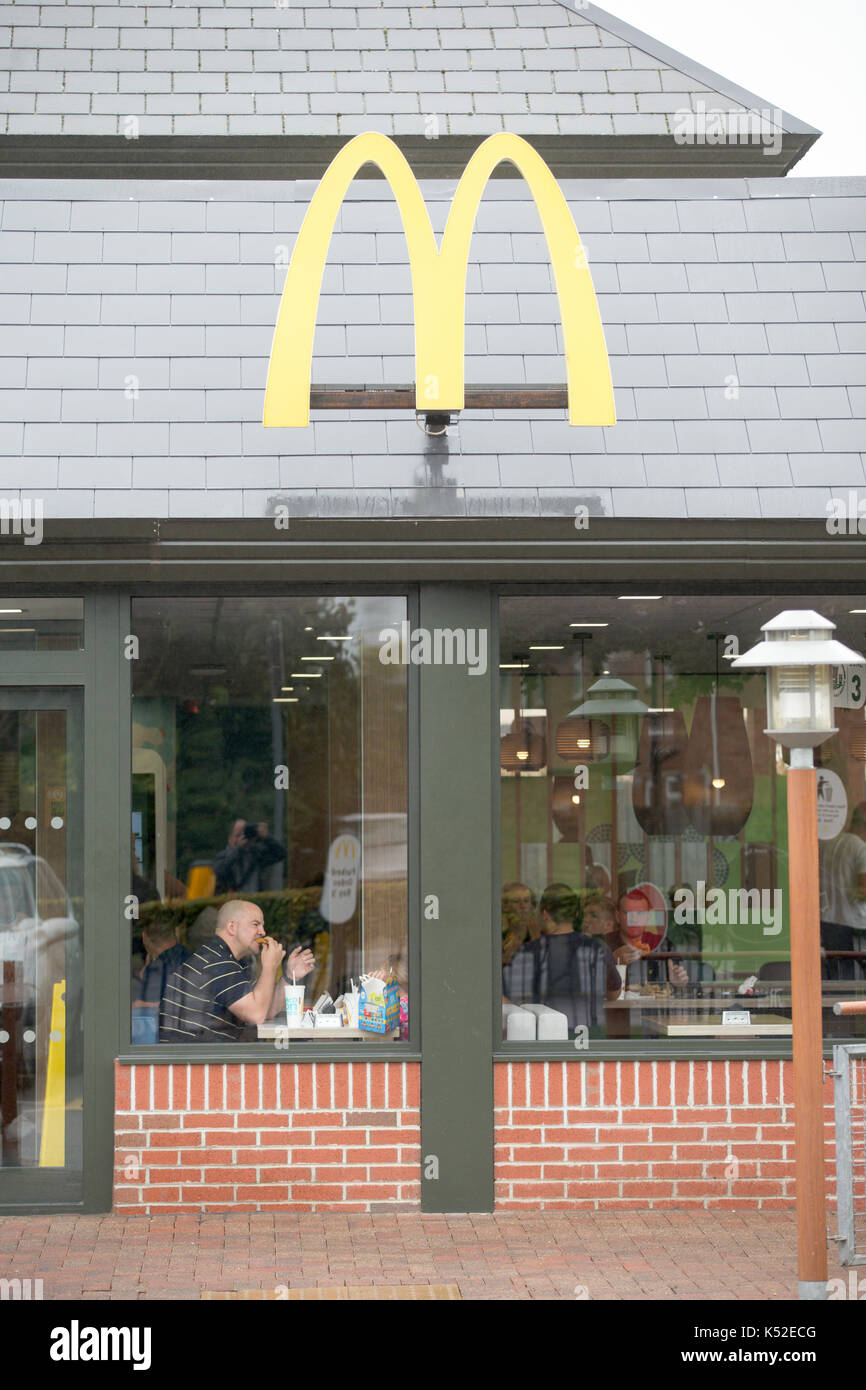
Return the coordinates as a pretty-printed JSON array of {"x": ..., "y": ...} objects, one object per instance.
[{"x": 798, "y": 654}]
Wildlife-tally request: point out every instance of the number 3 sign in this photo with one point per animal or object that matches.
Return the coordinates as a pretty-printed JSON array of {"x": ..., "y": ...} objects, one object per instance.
[{"x": 849, "y": 687}]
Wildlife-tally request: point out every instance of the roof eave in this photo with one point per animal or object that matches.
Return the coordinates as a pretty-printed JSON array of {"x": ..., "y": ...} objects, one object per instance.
[{"x": 305, "y": 157}]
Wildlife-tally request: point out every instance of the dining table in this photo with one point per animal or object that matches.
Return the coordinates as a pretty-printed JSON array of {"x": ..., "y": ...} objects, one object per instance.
[{"x": 273, "y": 1031}]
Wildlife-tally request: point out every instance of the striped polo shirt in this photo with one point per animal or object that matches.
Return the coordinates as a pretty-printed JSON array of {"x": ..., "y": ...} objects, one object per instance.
[{"x": 195, "y": 1005}]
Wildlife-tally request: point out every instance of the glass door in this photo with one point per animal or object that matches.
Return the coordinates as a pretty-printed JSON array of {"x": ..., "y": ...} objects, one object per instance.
[{"x": 41, "y": 934}]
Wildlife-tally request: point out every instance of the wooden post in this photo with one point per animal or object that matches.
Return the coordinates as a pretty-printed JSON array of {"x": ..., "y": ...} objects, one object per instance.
[{"x": 807, "y": 1033}]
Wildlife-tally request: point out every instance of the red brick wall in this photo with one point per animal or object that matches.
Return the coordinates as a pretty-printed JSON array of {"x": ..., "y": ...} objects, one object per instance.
[
  {"x": 647, "y": 1134},
  {"x": 346, "y": 1137},
  {"x": 321, "y": 1136}
]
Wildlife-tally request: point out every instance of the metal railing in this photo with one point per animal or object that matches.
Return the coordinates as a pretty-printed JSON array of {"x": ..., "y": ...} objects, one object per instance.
[{"x": 849, "y": 1095}]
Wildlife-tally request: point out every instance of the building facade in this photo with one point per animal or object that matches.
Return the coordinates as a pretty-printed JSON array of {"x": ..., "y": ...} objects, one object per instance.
[{"x": 443, "y": 690}]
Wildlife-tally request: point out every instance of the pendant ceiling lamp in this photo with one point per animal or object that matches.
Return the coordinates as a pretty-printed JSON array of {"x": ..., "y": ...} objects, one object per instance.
[
  {"x": 720, "y": 781},
  {"x": 583, "y": 740},
  {"x": 567, "y": 809},
  {"x": 523, "y": 749},
  {"x": 615, "y": 703},
  {"x": 658, "y": 787}
]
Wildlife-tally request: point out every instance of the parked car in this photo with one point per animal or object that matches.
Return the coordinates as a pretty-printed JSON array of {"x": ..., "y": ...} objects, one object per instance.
[{"x": 40, "y": 939}]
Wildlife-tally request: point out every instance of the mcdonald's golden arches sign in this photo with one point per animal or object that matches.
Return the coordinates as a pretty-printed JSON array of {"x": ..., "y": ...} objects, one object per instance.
[{"x": 439, "y": 282}]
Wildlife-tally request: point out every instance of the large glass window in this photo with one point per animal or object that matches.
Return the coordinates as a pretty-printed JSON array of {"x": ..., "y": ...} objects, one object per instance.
[
  {"x": 643, "y": 815},
  {"x": 269, "y": 843}
]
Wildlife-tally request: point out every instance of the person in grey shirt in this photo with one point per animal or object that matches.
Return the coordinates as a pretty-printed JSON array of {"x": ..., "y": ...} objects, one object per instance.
[
  {"x": 843, "y": 897},
  {"x": 575, "y": 973}
]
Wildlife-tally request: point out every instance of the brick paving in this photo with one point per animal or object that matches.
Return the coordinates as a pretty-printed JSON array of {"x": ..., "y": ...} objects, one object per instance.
[{"x": 509, "y": 1255}]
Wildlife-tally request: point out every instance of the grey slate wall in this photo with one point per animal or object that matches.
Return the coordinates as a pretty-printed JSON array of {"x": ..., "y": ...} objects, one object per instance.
[
  {"x": 315, "y": 68},
  {"x": 734, "y": 315}
]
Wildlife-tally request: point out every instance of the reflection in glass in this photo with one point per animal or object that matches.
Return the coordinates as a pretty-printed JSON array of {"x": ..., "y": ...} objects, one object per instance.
[{"x": 663, "y": 819}]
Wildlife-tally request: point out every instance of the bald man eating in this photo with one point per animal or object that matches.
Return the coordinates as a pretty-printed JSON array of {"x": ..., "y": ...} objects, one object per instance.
[{"x": 210, "y": 998}]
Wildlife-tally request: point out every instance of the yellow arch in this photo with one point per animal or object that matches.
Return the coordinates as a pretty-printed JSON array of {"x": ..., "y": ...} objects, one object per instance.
[{"x": 439, "y": 282}]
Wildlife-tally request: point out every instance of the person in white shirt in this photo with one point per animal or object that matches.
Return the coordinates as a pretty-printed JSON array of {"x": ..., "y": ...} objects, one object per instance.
[{"x": 843, "y": 897}]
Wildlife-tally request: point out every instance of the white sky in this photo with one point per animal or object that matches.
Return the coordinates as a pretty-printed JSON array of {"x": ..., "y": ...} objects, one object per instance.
[{"x": 806, "y": 56}]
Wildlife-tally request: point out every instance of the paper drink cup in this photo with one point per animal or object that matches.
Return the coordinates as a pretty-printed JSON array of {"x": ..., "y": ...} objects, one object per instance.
[{"x": 294, "y": 1004}]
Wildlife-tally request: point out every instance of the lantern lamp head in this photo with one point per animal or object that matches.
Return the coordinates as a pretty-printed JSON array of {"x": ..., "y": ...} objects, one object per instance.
[
  {"x": 615, "y": 703},
  {"x": 798, "y": 654}
]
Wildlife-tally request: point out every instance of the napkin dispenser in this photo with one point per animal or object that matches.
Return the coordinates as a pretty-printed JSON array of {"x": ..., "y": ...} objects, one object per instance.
[
  {"x": 520, "y": 1024},
  {"x": 551, "y": 1025}
]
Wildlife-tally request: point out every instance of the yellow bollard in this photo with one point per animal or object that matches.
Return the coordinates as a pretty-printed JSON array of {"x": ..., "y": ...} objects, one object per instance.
[{"x": 52, "y": 1150}]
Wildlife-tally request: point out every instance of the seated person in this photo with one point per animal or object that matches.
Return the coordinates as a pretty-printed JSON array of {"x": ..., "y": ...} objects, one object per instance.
[
  {"x": 575, "y": 973},
  {"x": 640, "y": 945},
  {"x": 211, "y": 997},
  {"x": 165, "y": 954},
  {"x": 600, "y": 920},
  {"x": 519, "y": 931}
]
